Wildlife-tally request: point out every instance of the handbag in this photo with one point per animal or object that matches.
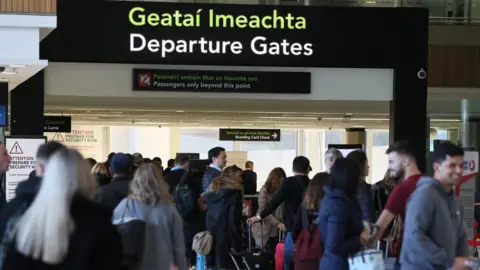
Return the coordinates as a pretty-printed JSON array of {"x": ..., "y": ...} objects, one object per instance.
[
  {"x": 202, "y": 243},
  {"x": 368, "y": 259}
]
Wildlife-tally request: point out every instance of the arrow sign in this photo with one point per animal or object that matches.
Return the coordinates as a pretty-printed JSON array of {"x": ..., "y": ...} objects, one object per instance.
[{"x": 252, "y": 135}]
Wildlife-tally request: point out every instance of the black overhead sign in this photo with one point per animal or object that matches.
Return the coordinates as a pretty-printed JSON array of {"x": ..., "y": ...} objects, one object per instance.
[
  {"x": 235, "y": 35},
  {"x": 191, "y": 155},
  {"x": 221, "y": 81},
  {"x": 57, "y": 124},
  {"x": 263, "y": 135}
]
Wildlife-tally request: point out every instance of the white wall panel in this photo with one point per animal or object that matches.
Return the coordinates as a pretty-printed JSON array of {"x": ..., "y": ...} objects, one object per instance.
[{"x": 114, "y": 80}]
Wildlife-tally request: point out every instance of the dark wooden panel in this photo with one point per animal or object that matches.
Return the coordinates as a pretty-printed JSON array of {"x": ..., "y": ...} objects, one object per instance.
[
  {"x": 453, "y": 66},
  {"x": 29, "y": 6}
]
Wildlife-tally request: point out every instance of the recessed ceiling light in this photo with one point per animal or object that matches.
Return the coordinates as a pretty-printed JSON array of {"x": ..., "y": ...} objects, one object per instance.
[
  {"x": 17, "y": 66},
  {"x": 180, "y": 111}
]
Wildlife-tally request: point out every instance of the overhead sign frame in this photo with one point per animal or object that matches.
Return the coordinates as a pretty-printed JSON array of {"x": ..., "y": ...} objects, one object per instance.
[
  {"x": 222, "y": 81},
  {"x": 53, "y": 123},
  {"x": 23, "y": 150}
]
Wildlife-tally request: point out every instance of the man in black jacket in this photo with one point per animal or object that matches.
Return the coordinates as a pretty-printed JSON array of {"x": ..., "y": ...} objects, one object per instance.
[
  {"x": 44, "y": 153},
  {"x": 249, "y": 179},
  {"x": 175, "y": 174},
  {"x": 121, "y": 170},
  {"x": 218, "y": 160},
  {"x": 291, "y": 193}
]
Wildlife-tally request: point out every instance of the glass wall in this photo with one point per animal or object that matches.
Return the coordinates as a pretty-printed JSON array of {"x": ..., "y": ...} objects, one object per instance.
[
  {"x": 268, "y": 155},
  {"x": 377, "y": 157},
  {"x": 200, "y": 140}
]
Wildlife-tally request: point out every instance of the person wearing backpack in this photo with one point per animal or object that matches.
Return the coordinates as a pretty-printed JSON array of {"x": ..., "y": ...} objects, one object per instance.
[
  {"x": 186, "y": 192},
  {"x": 308, "y": 249}
]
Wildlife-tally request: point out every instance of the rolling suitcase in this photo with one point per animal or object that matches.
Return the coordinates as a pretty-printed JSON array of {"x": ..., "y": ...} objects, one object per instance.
[
  {"x": 279, "y": 251},
  {"x": 251, "y": 259}
]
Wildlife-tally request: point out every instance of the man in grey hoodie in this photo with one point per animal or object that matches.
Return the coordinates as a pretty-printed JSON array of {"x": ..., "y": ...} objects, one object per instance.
[{"x": 434, "y": 233}]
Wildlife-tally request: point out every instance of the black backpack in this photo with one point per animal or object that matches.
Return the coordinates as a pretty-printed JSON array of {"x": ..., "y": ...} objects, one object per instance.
[{"x": 184, "y": 198}]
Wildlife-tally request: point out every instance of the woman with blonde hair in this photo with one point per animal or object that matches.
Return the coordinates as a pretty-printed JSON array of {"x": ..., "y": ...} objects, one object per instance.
[
  {"x": 224, "y": 214},
  {"x": 62, "y": 228},
  {"x": 100, "y": 173},
  {"x": 162, "y": 245},
  {"x": 269, "y": 239}
]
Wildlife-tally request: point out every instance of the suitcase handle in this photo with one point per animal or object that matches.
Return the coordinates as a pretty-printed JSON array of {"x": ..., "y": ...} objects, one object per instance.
[{"x": 281, "y": 236}]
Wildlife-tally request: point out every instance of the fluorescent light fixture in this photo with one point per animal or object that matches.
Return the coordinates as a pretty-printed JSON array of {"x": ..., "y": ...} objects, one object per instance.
[
  {"x": 445, "y": 120},
  {"x": 179, "y": 111},
  {"x": 3, "y": 80},
  {"x": 287, "y": 117},
  {"x": 10, "y": 71},
  {"x": 355, "y": 119},
  {"x": 17, "y": 66}
]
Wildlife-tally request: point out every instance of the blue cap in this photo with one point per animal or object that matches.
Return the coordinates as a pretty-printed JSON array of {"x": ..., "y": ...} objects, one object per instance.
[{"x": 121, "y": 163}]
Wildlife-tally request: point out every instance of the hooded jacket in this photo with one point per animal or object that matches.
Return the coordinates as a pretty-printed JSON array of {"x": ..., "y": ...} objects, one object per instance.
[
  {"x": 164, "y": 243},
  {"x": 224, "y": 223},
  {"x": 340, "y": 224},
  {"x": 434, "y": 232}
]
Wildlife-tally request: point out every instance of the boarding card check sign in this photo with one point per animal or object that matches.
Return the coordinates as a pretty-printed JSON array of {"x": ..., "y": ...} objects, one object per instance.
[
  {"x": 258, "y": 135},
  {"x": 23, "y": 152},
  {"x": 466, "y": 195}
]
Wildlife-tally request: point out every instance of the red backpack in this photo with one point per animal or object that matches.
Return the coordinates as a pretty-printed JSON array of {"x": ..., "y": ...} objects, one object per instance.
[{"x": 308, "y": 248}]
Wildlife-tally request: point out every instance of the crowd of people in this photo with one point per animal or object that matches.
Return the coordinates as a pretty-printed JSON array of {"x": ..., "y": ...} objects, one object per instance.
[{"x": 131, "y": 213}]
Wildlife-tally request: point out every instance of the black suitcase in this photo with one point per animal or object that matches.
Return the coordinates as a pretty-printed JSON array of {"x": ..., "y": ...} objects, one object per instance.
[{"x": 252, "y": 259}]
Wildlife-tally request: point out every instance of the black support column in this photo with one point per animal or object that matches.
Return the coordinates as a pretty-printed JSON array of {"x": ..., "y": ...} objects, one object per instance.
[
  {"x": 27, "y": 107},
  {"x": 408, "y": 110},
  {"x": 4, "y": 105}
]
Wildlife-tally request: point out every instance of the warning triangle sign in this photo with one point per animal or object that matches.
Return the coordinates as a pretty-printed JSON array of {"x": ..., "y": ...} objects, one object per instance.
[
  {"x": 58, "y": 137},
  {"x": 16, "y": 149}
]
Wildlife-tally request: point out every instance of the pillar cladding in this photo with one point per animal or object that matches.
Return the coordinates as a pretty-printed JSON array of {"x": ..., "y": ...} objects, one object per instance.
[
  {"x": 473, "y": 134},
  {"x": 355, "y": 136},
  {"x": 27, "y": 107}
]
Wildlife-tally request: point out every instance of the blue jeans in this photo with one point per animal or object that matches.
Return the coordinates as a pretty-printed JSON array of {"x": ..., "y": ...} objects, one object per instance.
[{"x": 288, "y": 251}]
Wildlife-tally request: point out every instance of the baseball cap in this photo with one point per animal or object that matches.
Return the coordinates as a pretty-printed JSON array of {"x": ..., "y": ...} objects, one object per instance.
[{"x": 121, "y": 163}]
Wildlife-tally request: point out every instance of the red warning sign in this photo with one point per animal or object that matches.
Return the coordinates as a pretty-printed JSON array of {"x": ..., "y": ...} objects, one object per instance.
[
  {"x": 58, "y": 137},
  {"x": 16, "y": 149},
  {"x": 247, "y": 208}
]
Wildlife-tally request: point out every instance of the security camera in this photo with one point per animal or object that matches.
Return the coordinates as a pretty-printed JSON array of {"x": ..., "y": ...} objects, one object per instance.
[
  {"x": 319, "y": 119},
  {"x": 159, "y": 126},
  {"x": 330, "y": 128},
  {"x": 133, "y": 121},
  {"x": 422, "y": 74},
  {"x": 2, "y": 69}
]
